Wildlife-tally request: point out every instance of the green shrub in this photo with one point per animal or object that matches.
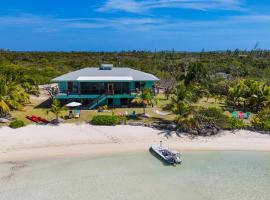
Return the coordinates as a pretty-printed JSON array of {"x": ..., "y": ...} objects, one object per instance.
[
  {"x": 106, "y": 120},
  {"x": 262, "y": 120},
  {"x": 122, "y": 119},
  {"x": 16, "y": 124},
  {"x": 234, "y": 123},
  {"x": 188, "y": 124},
  {"x": 205, "y": 121},
  {"x": 212, "y": 116}
]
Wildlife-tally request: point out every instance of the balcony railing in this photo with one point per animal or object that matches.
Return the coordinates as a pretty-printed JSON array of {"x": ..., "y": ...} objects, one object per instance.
[{"x": 97, "y": 92}]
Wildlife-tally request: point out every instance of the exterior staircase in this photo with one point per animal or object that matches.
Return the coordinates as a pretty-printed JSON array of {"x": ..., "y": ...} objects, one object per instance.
[{"x": 97, "y": 101}]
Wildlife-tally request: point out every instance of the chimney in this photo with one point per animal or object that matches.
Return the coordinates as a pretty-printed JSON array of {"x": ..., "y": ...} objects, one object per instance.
[{"x": 106, "y": 67}]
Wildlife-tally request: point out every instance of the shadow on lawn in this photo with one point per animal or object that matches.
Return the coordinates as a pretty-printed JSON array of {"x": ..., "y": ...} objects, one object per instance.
[{"x": 45, "y": 104}]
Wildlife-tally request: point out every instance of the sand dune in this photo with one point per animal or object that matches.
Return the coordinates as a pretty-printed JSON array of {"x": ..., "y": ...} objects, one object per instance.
[{"x": 37, "y": 141}]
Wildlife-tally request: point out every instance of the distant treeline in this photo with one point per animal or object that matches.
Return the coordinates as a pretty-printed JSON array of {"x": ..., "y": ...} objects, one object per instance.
[{"x": 43, "y": 66}]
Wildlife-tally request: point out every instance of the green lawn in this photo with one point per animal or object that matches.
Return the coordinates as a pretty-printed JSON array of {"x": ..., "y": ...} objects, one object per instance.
[
  {"x": 209, "y": 103},
  {"x": 86, "y": 115}
]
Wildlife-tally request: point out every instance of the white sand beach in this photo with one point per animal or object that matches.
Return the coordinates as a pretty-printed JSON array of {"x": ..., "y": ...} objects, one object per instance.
[{"x": 38, "y": 141}]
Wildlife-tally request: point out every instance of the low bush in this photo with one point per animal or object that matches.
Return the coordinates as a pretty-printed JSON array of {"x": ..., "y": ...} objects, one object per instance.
[
  {"x": 262, "y": 120},
  {"x": 105, "y": 120},
  {"x": 122, "y": 119},
  {"x": 16, "y": 124},
  {"x": 188, "y": 124},
  {"x": 102, "y": 108},
  {"x": 205, "y": 121},
  {"x": 234, "y": 123},
  {"x": 212, "y": 116}
]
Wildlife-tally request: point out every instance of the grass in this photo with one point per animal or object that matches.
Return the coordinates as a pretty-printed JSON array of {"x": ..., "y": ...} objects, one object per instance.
[
  {"x": 87, "y": 115},
  {"x": 210, "y": 103}
]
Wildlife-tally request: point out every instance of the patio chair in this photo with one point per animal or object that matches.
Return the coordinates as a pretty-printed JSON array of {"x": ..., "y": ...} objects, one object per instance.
[
  {"x": 235, "y": 114},
  {"x": 241, "y": 115},
  {"x": 247, "y": 115},
  {"x": 133, "y": 115},
  {"x": 70, "y": 114},
  {"x": 227, "y": 113},
  {"x": 77, "y": 113}
]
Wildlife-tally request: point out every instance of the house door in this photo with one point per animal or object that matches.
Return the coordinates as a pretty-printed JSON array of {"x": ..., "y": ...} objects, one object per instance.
[
  {"x": 110, "y": 89},
  {"x": 110, "y": 102}
]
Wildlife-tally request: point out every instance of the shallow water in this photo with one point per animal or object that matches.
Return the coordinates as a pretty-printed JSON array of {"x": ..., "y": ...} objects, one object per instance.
[{"x": 203, "y": 175}]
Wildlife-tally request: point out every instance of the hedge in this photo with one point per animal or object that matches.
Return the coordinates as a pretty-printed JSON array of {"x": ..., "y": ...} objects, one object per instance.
[
  {"x": 261, "y": 121},
  {"x": 16, "y": 124},
  {"x": 234, "y": 123},
  {"x": 106, "y": 120}
]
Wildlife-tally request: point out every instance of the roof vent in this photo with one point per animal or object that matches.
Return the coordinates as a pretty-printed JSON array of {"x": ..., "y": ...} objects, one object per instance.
[{"x": 106, "y": 66}]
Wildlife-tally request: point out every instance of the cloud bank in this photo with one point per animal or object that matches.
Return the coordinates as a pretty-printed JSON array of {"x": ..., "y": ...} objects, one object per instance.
[{"x": 136, "y": 6}]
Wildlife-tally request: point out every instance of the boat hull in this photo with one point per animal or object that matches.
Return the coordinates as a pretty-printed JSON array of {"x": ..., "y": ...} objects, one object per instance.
[{"x": 168, "y": 160}]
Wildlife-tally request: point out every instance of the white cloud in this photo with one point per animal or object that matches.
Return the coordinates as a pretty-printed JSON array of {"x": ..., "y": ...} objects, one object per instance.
[
  {"x": 50, "y": 23},
  {"x": 54, "y": 23},
  {"x": 23, "y": 19},
  {"x": 138, "y": 6},
  {"x": 124, "y": 5}
]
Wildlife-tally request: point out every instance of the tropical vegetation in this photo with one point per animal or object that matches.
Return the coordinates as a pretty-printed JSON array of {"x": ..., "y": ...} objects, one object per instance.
[
  {"x": 262, "y": 120},
  {"x": 16, "y": 124},
  {"x": 56, "y": 108},
  {"x": 15, "y": 88},
  {"x": 146, "y": 97},
  {"x": 249, "y": 94},
  {"x": 105, "y": 120},
  {"x": 236, "y": 80}
]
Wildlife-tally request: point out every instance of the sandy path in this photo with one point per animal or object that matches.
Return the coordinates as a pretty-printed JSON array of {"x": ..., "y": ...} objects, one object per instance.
[{"x": 37, "y": 141}]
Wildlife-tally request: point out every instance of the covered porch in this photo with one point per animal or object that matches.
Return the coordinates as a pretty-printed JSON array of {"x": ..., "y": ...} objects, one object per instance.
[{"x": 96, "y": 88}]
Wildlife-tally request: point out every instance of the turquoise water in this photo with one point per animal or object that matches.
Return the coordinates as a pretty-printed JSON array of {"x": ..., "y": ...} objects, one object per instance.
[{"x": 203, "y": 175}]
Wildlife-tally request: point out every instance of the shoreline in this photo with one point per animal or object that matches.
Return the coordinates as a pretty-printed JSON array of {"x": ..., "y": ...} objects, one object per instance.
[
  {"x": 72, "y": 140},
  {"x": 86, "y": 150}
]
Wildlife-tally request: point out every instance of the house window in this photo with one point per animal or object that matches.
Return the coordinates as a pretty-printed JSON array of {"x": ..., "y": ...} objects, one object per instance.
[
  {"x": 124, "y": 102},
  {"x": 72, "y": 87},
  {"x": 121, "y": 88},
  {"x": 139, "y": 85}
]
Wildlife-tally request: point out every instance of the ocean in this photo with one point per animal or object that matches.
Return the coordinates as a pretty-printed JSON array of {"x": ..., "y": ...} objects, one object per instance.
[{"x": 202, "y": 176}]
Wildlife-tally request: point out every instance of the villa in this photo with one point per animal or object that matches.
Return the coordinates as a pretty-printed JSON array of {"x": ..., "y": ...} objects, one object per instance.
[{"x": 106, "y": 85}]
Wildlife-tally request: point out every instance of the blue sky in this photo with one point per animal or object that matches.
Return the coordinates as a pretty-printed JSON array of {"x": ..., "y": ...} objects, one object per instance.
[{"x": 115, "y": 25}]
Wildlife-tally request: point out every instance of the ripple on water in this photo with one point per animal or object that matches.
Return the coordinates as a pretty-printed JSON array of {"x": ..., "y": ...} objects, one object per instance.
[{"x": 203, "y": 175}]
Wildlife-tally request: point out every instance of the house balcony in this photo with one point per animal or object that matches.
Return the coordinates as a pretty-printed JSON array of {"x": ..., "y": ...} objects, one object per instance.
[{"x": 93, "y": 94}]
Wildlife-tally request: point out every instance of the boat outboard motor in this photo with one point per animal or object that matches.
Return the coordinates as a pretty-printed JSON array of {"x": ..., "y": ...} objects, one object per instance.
[
  {"x": 160, "y": 145},
  {"x": 176, "y": 158}
]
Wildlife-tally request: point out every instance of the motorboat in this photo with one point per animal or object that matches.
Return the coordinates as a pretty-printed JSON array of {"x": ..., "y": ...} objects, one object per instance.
[{"x": 169, "y": 156}]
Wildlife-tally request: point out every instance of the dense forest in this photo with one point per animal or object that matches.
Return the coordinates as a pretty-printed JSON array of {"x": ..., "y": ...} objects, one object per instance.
[{"x": 43, "y": 66}]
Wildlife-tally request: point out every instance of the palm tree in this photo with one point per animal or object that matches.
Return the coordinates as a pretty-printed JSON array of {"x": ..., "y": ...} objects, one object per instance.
[
  {"x": 12, "y": 96},
  {"x": 179, "y": 102},
  {"x": 4, "y": 108},
  {"x": 259, "y": 94},
  {"x": 249, "y": 93},
  {"x": 3, "y": 104},
  {"x": 182, "y": 99},
  {"x": 238, "y": 94},
  {"x": 146, "y": 98},
  {"x": 17, "y": 97},
  {"x": 56, "y": 108}
]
